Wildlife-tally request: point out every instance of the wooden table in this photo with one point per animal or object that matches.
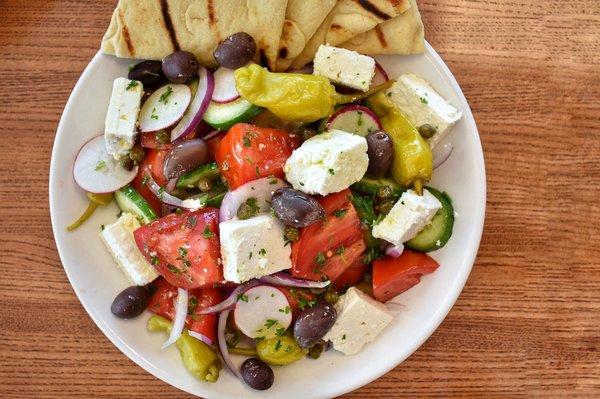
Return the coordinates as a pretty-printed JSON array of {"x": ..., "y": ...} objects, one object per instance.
[{"x": 527, "y": 322}]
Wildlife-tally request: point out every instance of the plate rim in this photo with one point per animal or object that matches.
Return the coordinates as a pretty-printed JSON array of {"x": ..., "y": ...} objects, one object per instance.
[{"x": 439, "y": 316}]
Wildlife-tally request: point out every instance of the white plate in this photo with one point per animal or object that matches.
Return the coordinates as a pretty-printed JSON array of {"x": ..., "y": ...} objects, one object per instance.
[{"x": 96, "y": 280}]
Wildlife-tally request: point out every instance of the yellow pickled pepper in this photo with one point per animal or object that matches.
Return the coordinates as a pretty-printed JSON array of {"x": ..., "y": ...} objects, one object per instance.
[{"x": 96, "y": 200}]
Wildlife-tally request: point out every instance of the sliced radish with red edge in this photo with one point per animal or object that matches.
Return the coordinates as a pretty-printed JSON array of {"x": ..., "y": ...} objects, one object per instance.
[
  {"x": 381, "y": 75},
  {"x": 225, "y": 90},
  {"x": 193, "y": 116},
  {"x": 165, "y": 107},
  {"x": 96, "y": 171},
  {"x": 261, "y": 312},
  {"x": 261, "y": 189},
  {"x": 355, "y": 119}
]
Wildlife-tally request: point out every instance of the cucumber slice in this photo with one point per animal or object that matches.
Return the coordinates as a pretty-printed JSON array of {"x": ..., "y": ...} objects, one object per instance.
[
  {"x": 131, "y": 201},
  {"x": 190, "y": 180},
  {"x": 369, "y": 185},
  {"x": 223, "y": 116},
  {"x": 436, "y": 234}
]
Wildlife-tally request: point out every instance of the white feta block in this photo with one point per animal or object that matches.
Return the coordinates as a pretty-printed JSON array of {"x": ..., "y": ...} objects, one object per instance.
[
  {"x": 118, "y": 238},
  {"x": 120, "y": 126},
  {"x": 253, "y": 248},
  {"x": 408, "y": 217},
  {"x": 421, "y": 104},
  {"x": 345, "y": 67},
  {"x": 360, "y": 319},
  {"x": 327, "y": 163}
]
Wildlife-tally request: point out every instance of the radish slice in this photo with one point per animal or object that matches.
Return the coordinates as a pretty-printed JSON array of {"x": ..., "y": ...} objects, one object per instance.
[
  {"x": 194, "y": 114},
  {"x": 166, "y": 198},
  {"x": 229, "y": 303},
  {"x": 181, "y": 309},
  {"x": 164, "y": 107},
  {"x": 222, "y": 325},
  {"x": 201, "y": 337},
  {"x": 441, "y": 154},
  {"x": 225, "y": 90},
  {"x": 394, "y": 251},
  {"x": 98, "y": 172},
  {"x": 381, "y": 75},
  {"x": 262, "y": 312},
  {"x": 261, "y": 189},
  {"x": 355, "y": 119},
  {"x": 285, "y": 280}
]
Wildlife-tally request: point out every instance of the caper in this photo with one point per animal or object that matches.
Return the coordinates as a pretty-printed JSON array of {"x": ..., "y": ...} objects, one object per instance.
[
  {"x": 205, "y": 185},
  {"x": 385, "y": 207},
  {"x": 137, "y": 154},
  {"x": 315, "y": 351},
  {"x": 291, "y": 233},
  {"x": 162, "y": 137},
  {"x": 427, "y": 131},
  {"x": 307, "y": 133},
  {"x": 248, "y": 209},
  {"x": 232, "y": 337},
  {"x": 385, "y": 192},
  {"x": 331, "y": 296},
  {"x": 127, "y": 163}
]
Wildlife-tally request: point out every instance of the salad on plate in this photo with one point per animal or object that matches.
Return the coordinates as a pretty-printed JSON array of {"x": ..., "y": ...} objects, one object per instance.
[{"x": 268, "y": 215}]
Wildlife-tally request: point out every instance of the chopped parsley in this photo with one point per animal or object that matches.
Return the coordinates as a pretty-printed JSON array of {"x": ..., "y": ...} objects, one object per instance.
[
  {"x": 100, "y": 165},
  {"x": 173, "y": 269},
  {"x": 192, "y": 305},
  {"x": 242, "y": 297},
  {"x": 246, "y": 141},
  {"x": 424, "y": 100},
  {"x": 102, "y": 227},
  {"x": 154, "y": 260},
  {"x": 153, "y": 114},
  {"x": 372, "y": 254},
  {"x": 250, "y": 255},
  {"x": 270, "y": 323},
  {"x": 164, "y": 98},
  {"x": 278, "y": 345},
  {"x": 344, "y": 336},
  {"x": 359, "y": 122},
  {"x": 304, "y": 303},
  {"x": 262, "y": 252},
  {"x": 340, "y": 250},
  {"x": 320, "y": 259},
  {"x": 182, "y": 252},
  {"x": 131, "y": 85},
  {"x": 340, "y": 213},
  {"x": 161, "y": 190},
  {"x": 286, "y": 310},
  {"x": 207, "y": 233},
  {"x": 145, "y": 180},
  {"x": 331, "y": 171},
  {"x": 280, "y": 331},
  {"x": 192, "y": 222}
]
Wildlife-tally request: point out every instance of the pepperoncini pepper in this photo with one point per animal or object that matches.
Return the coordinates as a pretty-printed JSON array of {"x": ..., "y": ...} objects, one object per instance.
[
  {"x": 96, "y": 200},
  {"x": 293, "y": 96},
  {"x": 413, "y": 161},
  {"x": 197, "y": 357}
]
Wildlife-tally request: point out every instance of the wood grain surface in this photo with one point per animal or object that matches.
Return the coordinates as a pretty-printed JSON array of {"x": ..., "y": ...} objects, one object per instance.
[{"x": 528, "y": 321}]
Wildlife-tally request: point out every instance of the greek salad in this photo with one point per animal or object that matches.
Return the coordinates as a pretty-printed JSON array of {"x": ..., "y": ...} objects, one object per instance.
[{"x": 268, "y": 215}]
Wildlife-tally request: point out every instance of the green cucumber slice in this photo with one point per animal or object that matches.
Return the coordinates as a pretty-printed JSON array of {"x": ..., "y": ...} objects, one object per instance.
[
  {"x": 370, "y": 185},
  {"x": 190, "y": 180},
  {"x": 437, "y": 233},
  {"x": 223, "y": 116},
  {"x": 131, "y": 201}
]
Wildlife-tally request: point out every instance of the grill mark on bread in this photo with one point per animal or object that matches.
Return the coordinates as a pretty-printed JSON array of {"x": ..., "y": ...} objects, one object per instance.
[
  {"x": 336, "y": 26},
  {"x": 381, "y": 36},
  {"x": 212, "y": 20},
  {"x": 262, "y": 58},
  {"x": 126, "y": 35},
  {"x": 164, "y": 7},
  {"x": 283, "y": 52},
  {"x": 370, "y": 7}
]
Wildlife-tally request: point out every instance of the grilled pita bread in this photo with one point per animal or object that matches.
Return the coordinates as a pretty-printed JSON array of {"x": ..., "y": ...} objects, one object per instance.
[
  {"x": 347, "y": 19},
  {"x": 401, "y": 35},
  {"x": 302, "y": 19},
  {"x": 152, "y": 29}
]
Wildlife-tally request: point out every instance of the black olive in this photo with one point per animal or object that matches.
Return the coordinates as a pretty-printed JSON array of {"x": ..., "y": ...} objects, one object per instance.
[
  {"x": 313, "y": 323},
  {"x": 257, "y": 374},
  {"x": 147, "y": 72},
  {"x": 185, "y": 157},
  {"x": 180, "y": 66},
  {"x": 130, "y": 302},
  {"x": 235, "y": 51},
  {"x": 296, "y": 209},
  {"x": 380, "y": 152}
]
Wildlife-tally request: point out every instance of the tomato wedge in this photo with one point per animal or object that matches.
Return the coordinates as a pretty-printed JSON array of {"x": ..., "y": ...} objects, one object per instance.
[
  {"x": 151, "y": 165},
  {"x": 393, "y": 276},
  {"x": 326, "y": 248},
  {"x": 184, "y": 248},
  {"x": 249, "y": 152},
  {"x": 351, "y": 276},
  {"x": 161, "y": 304}
]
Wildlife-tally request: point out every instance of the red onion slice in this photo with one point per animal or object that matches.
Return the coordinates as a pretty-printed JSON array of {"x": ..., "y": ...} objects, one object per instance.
[
  {"x": 211, "y": 135},
  {"x": 394, "y": 251},
  {"x": 229, "y": 302},
  {"x": 223, "y": 344},
  {"x": 181, "y": 308},
  {"x": 441, "y": 154},
  {"x": 286, "y": 280},
  {"x": 261, "y": 189},
  {"x": 191, "y": 119},
  {"x": 201, "y": 337},
  {"x": 166, "y": 198}
]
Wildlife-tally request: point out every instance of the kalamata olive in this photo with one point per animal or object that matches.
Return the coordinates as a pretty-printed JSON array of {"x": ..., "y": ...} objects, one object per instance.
[
  {"x": 180, "y": 66},
  {"x": 235, "y": 51},
  {"x": 313, "y": 323},
  {"x": 147, "y": 72},
  {"x": 130, "y": 302},
  {"x": 380, "y": 152},
  {"x": 257, "y": 374},
  {"x": 185, "y": 157},
  {"x": 296, "y": 209}
]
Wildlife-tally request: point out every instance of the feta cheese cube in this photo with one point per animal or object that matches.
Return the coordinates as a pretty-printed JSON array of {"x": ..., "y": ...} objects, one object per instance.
[
  {"x": 327, "y": 163},
  {"x": 345, "y": 67},
  {"x": 122, "y": 116},
  {"x": 118, "y": 238},
  {"x": 253, "y": 248},
  {"x": 408, "y": 217},
  {"x": 421, "y": 104},
  {"x": 360, "y": 319}
]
